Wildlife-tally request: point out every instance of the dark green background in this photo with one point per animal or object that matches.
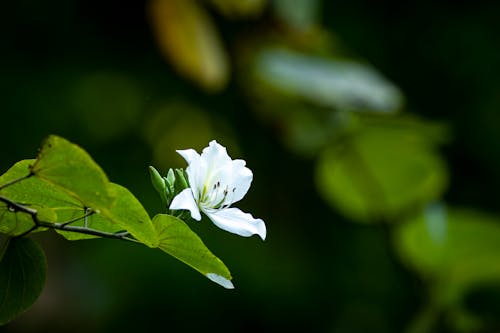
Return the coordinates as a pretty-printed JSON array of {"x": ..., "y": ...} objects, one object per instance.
[{"x": 317, "y": 271}]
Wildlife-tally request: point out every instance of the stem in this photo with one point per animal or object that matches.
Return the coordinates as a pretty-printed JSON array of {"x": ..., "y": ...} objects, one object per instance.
[
  {"x": 87, "y": 231},
  {"x": 12, "y": 205},
  {"x": 17, "y": 207},
  {"x": 88, "y": 212},
  {"x": 12, "y": 182}
]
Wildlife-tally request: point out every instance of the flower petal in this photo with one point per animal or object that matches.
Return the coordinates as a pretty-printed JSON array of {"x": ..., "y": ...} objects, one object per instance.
[
  {"x": 196, "y": 170},
  {"x": 215, "y": 155},
  {"x": 238, "y": 222},
  {"x": 232, "y": 174},
  {"x": 188, "y": 154},
  {"x": 185, "y": 200},
  {"x": 241, "y": 179}
]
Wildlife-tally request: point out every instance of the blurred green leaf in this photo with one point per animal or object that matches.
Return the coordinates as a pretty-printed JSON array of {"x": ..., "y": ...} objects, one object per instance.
[
  {"x": 299, "y": 14},
  {"x": 178, "y": 240},
  {"x": 307, "y": 130},
  {"x": 463, "y": 252},
  {"x": 341, "y": 84},
  {"x": 380, "y": 172},
  {"x": 454, "y": 250},
  {"x": 188, "y": 38},
  {"x": 23, "y": 269},
  {"x": 71, "y": 169},
  {"x": 239, "y": 8}
]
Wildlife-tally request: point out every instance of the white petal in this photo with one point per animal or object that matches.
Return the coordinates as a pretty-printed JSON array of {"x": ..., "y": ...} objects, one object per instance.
[
  {"x": 188, "y": 154},
  {"x": 241, "y": 179},
  {"x": 238, "y": 222},
  {"x": 196, "y": 170},
  {"x": 185, "y": 200},
  {"x": 215, "y": 155},
  {"x": 232, "y": 175}
]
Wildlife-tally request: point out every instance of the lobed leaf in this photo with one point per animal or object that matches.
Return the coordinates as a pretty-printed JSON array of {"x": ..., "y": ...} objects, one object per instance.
[
  {"x": 52, "y": 203},
  {"x": 62, "y": 189},
  {"x": 36, "y": 191},
  {"x": 69, "y": 168}
]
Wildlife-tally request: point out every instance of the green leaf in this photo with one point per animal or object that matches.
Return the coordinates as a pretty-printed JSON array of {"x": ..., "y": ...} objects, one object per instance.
[
  {"x": 52, "y": 203},
  {"x": 71, "y": 169},
  {"x": 126, "y": 214},
  {"x": 455, "y": 251},
  {"x": 129, "y": 214},
  {"x": 340, "y": 84},
  {"x": 22, "y": 277},
  {"x": 381, "y": 172},
  {"x": 178, "y": 240},
  {"x": 15, "y": 223},
  {"x": 58, "y": 204},
  {"x": 35, "y": 191},
  {"x": 95, "y": 221},
  {"x": 458, "y": 247}
]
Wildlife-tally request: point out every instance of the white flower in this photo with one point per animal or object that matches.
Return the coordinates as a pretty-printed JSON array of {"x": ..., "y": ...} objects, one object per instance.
[{"x": 216, "y": 182}]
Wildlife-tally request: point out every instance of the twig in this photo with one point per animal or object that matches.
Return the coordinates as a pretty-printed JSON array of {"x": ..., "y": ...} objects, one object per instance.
[{"x": 17, "y": 207}]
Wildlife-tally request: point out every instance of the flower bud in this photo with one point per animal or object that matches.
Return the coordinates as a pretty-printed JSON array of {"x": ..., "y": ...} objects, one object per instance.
[
  {"x": 170, "y": 182},
  {"x": 159, "y": 185},
  {"x": 181, "y": 181}
]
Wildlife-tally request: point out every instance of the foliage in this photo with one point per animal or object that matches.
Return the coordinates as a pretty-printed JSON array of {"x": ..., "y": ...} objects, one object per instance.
[
  {"x": 348, "y": 109},
  {"x": 22, "y": 274},
  {"x": 375, "y": 163},
  {"x": 65, "y": 190}
]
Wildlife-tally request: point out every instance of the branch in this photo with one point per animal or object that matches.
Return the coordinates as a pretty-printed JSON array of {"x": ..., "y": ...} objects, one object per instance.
[
  {"x": 87, "y": 231},
  {"x": 17, "y": 207}
]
